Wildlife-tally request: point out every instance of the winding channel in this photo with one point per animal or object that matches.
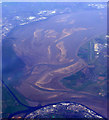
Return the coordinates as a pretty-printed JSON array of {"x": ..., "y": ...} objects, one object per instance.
[
  {"x": 32, "y": 109},
  {"x": 29, "y": 108}
]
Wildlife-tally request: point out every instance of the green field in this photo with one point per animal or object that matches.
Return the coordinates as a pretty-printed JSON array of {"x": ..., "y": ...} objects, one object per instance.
[
  {"x": 9, "y": 103},
  {"x": 89, "y": 81}
]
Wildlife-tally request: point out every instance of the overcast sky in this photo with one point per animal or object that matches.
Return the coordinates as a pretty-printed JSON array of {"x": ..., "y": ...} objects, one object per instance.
[{"x": 54, "y": 0}]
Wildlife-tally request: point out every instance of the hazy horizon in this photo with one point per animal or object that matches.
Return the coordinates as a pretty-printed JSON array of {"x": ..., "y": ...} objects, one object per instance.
[{"x": 54, "y": 0}]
